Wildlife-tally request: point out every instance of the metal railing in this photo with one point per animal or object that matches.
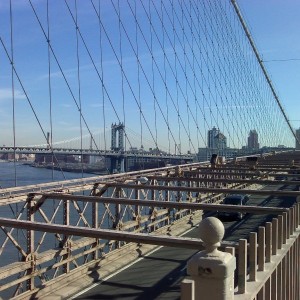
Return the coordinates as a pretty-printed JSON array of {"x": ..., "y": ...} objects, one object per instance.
[
  {"x": 52, "y": 238},
  {"x": 268, "y": 264}
]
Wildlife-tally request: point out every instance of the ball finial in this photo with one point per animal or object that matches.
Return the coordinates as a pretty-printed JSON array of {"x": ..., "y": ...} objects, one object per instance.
[{"x": 211, "y": 232}]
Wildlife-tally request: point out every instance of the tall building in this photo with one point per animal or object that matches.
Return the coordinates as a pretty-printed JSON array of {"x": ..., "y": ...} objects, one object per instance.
[
  {"x": 220, "y": 141},
  {"x": 253, "y": 140},
  {"x": 217, "y": 141},
  {"x": 298, "y": 137},
  {"x": 211, "y": 137}
]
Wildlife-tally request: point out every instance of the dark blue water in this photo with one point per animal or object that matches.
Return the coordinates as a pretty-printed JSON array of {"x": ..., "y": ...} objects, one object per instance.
[{"x": 20, "y": 174}]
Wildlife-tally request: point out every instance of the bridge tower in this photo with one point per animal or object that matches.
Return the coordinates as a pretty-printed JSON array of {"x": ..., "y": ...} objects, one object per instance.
[
  {"x": 117, "y": 137},
  {"x": 117, "y": 145}
]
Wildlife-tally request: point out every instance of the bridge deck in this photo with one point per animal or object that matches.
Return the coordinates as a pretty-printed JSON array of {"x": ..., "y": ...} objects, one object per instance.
[{"x": 159, "y": 274}]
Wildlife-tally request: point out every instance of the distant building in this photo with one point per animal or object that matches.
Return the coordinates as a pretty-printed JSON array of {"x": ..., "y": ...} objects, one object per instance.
[
  {"x": 253, "y": 140},
  {"x": 204, "y": 154},
  {"x": 216, "y": 141},
  {"x": 211, "y": 138},
  {"x": 220, "y": 141},
  {"x": 298, "y": 137}
]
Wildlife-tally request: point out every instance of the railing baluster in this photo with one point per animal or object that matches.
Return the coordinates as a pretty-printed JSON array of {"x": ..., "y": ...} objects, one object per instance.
[
  {"x": 274, "y": 236},
  {"x": 187, "y": 289},
  {"x": 280, "y": 231},
  {"x": 253, "y": 255},
  {"x": 242, "y": 266},
  {"x": 279, "y": 281},
  {"x": 268, "y": 285},
  {"x": 284, "y": 278},
  {"x": 288, "y": 277},
  {"x": 294, "y": 218},
  {"x": 261, "y": 248},
  {"x": 297, "y": 273},
  {"x": 261, "y": 294},
  {"x": 290, "y": 220},
  {"x": 273, "y": 286},
  {"x": 284, "y": 227},
  {"x": 230, "y": 250},
  {"x": 294, "y": 270},
  {"x": 268, "y": 241},
  {"x": 298, "y": 211}
]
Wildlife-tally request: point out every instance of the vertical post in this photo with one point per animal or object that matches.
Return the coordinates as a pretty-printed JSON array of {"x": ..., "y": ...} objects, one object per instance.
[
  {"x": 66, "y": 245},
  {"x": 294, "y": 218},
  {"x": 291, "y": 218},
  {"x": 253, "y": 255},
  {"x": 95, "y": 221},
  {"x": 137, "y": 207},
  {"x": 274, "y": 280},
  {"x": 280, "y": 231},
  {"x": 284, "y": 233},
  {"x": 210, "y": 269},
  {"x": 279, "y": 281},
  {"x": 289, "y": 224},
  {"x": 268, "y": 241},
  {"x": 95, "y": 209},
  {"x": 242, "y": 267},
  {"x": 30, "y": 244},
  {"x": 274, "y": 236},
  {"x": 298, "y": 212},
  {"x": 117, "y": 215},
  {"x": 261, "y": 248},
  {"x": 187, "y": 288}
]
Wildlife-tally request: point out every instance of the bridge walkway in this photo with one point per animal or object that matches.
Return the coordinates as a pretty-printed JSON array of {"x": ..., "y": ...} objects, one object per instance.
[{"x": 158, "y": 275}]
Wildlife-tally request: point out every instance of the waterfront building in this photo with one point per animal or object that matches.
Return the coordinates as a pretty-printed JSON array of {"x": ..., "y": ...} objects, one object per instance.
[
  {"x": 211, "y": 141},
  {"x": 216, "y": 142},
  {"x": 253, "y": 140}
]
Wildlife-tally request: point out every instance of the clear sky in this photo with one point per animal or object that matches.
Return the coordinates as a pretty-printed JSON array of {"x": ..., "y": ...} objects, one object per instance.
[
  {"x": 275, "y": 27},
  {"x": 155, "y": 96}
]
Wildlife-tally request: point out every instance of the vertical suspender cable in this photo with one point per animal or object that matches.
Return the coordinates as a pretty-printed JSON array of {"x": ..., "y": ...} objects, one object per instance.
[
  {"x": 122, "y": 79},
  {"x": 165, "y": 76},
  {"x": 13, "y": 89},
  {"x": 237, "y": 10},
  {"x": 139, "y": 85},
  {"x": 178, "y": 146},
  {"x": 185, "y": 75},
  {"x": 50, "y": 89},
  {"x": 79, "y": 87},
  {"x": 153, "y": 76},
  {"x": 102, "y": 84}
]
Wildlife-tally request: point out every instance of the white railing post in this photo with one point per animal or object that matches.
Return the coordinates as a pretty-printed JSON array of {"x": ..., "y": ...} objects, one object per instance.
[{"x": 210, "y": 269}]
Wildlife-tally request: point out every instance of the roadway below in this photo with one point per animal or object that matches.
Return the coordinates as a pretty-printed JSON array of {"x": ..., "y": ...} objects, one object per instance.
[{"x": 158, "y": 275}]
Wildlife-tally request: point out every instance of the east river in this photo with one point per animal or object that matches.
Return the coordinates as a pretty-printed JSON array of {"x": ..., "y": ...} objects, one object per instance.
[{"x": 21, "y": 174}]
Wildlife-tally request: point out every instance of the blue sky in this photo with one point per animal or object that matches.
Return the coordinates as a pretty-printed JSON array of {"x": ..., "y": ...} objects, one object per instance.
[
  {"x": 274, "y": 25},
  {"x": 139, "y": 96}
]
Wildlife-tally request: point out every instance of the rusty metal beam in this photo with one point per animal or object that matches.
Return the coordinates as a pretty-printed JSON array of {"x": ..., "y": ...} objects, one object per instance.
[
  {"x": 206, "y": 190},
  {"x": 255, "y": 181},
  {"x": 245, "y": 167},
  {"x": 178, "y": 205},
  {"x": 180, "y": 242}
]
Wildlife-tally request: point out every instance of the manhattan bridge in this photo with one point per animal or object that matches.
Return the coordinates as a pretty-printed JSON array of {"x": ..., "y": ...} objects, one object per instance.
[{"x": 135, "y": 81}]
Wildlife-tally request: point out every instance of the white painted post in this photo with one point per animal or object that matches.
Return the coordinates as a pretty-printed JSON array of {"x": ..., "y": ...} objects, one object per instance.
[{"x": 211, "y": 269}]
